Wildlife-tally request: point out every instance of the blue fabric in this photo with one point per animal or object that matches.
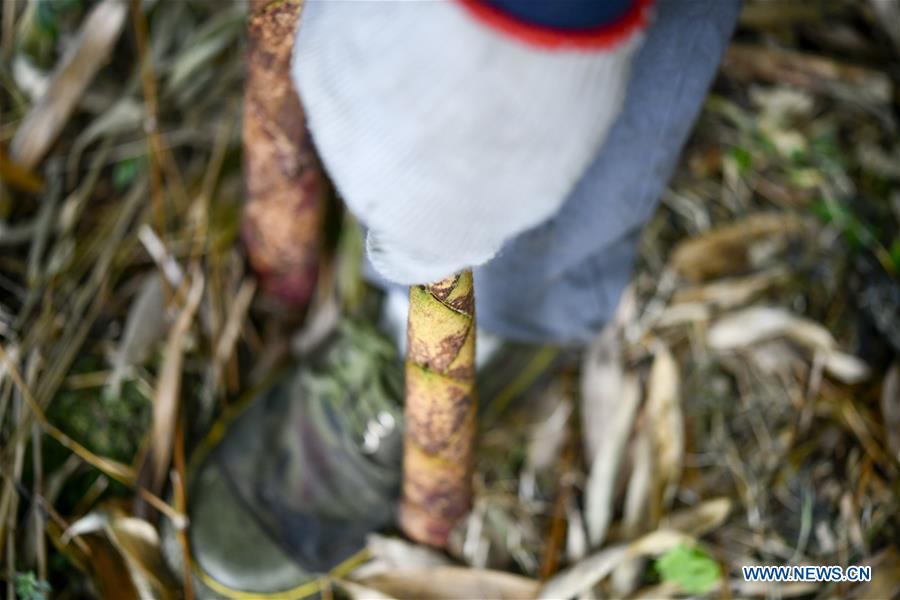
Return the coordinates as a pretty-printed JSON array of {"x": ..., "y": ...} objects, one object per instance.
[
  {"x": 571, "y": 15},
  {"x": 561, "y": 282}
]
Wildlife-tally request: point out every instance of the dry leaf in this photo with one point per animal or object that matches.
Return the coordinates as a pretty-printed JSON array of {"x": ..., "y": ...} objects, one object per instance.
[
  {"x": 601, "y": 388},
  {"x": 545, "y": 442},
  {"x": 845, "y": 367},
  {"x": 393, "y": 554},
  {"x": 168, "y": 387},
  {"x": 668, "y": 589},
  {"x": 587, "y": 573},
  {"x": 615, "y": 430},
  {"x": 681, "y": 314},
  {"x": 137, "y": 543},
  {"x": 728, "y": 293},
  {"x": 888, "y": 18},
  {"x": 761, "y": 323},
  {"x": 90, "y": 51},
  {"x": 446, "y": 583},
  {"x": 637, "y": 514},
  {"x": 33, "y": 82},
  {"x": 124, "y": 116},
  {"x": 769, "y": 589},
  {"x": 576, "y": 536},
  {"x": 666, "y": 423},
  {"x": 109, "y": 570},
  {"x": 145, "y": 326},
  {"x": 225, "y": 345},
  {"x": 358, "y": 591},
  {"x": 700, "y": 519},
  {"x": 885, "y": 581},
  {"x": 810, "y": 72},
  {"x": 18, "y": 177},
  {"x": 733, "y": 248},
  {"x": 198, "y": 52},
  {"x": 321, "y": 321},
  {"x": 775, "y": 357},
  {"x": 890, "y": 409}
]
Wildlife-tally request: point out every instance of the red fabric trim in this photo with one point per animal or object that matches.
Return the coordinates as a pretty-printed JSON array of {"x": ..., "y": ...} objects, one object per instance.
[{"x": 604, "y": 37}]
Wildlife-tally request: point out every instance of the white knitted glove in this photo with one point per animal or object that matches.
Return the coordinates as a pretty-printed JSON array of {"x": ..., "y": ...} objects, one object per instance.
[{"x": 445, "y": 136}]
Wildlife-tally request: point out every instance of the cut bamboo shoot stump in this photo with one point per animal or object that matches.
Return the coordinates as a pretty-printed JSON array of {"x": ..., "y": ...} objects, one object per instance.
[{"x": 440, "y": 409}]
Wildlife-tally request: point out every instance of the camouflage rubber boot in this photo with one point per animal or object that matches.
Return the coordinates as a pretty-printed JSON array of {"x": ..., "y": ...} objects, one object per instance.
[{"x": 286, "y": 489}]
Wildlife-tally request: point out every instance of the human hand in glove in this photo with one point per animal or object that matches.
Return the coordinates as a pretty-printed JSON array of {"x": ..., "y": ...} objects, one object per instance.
[{"x": 450, "y": 127}]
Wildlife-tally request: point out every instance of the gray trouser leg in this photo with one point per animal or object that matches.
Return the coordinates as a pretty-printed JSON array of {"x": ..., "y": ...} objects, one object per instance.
[{"x": 562, "y": 281}]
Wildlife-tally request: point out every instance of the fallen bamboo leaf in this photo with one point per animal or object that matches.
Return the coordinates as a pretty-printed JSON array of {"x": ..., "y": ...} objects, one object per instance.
[
  {"x": 156, "y": 248},
  {"x": 888, "y": 18},
  {"x": 393, "y": 554},
  {"x": 19, "y": 177},
  {"x": 602, "y": 383},
  {"x": 770, "y": 589},
  {"x": 762, "y": 323},
  {"x": 45, "y": 120},
  {"x": 666, "y": 424},
  {"x": 817, "y": 74},
  {"x": 198, "y": 52},
  {"x": 168, "y": 388},
  {"x": 145, "y": 326},
  {"x": 358, "y": 591},
  {"x": 730, "y": 248},
  {"x": 890, "y": 409},
  {"x": 449, "y": 583},
  {"x": 661, "y": 591},
  {"x": 682, "y": 314},
  {"x": 728, "y": 293},
  {"x": 125, "y": 115},
  {"x": 777, "y": 357},
  {"x": 775, "y": 15},
  {"x": 321, "y": 319},
  {"x": 137, "y": 543},
  {"x": 599, "y": 493},
  {"x": 586, "y": 574},
  {"x": 545, "y": 442},
  {"x": 576, "y": 534},
  {"x": 639, "y": 511},
  {"x": 700, "y": 519},
  {"x": 109, "y": 571},
  {"x": 885, "y": 582},
  {"x": 224, "y": 350},
  {"x": 33, "y": 82},
  {"x": 781, "y": 104},
  {"x": 845, "y": 367}
]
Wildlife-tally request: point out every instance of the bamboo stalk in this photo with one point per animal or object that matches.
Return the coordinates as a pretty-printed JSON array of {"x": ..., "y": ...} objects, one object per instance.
[
  {"x": 440, "y": 409},
  {"x": 285, "y": 208}
]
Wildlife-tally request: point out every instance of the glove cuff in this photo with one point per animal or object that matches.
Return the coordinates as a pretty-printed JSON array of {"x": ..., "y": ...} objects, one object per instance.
[{"x": 607, "y": 36}]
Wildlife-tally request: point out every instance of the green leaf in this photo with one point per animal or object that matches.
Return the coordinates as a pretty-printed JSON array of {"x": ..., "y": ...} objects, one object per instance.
[
  {"x": 29, "y": 587},
  {"x": 49, "y": 14},
  {"x": 692, "y": 569},
  {"x": 741, "y": 157},
  {"x": 124, "y": 172},
  {"x": 895, "y": 255},
  {"x": 821, "y": 210},
  {"x": 857, "y": 233}
]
